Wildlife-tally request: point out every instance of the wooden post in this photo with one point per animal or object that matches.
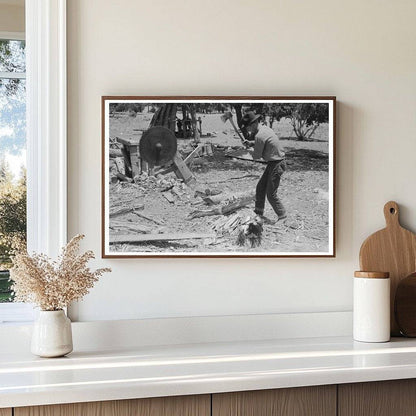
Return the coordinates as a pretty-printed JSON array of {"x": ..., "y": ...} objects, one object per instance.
[
  {"x": 127, "y": 161},
  {"x": 172, "y": 118},
  {"x": 135, "y": 160},
  {"x": 181, "y": 170}
]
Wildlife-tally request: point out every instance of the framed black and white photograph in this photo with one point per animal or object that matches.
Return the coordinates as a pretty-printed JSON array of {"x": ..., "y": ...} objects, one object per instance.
[{"x": 218, "y": 176}]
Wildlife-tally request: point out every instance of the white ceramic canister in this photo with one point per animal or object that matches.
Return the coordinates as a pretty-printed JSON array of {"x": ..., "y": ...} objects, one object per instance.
[{"x": 371, "y": 313}]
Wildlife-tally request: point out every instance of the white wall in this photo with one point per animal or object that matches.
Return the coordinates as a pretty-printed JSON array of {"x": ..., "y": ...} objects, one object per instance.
[{"x": 361, "y": 51}]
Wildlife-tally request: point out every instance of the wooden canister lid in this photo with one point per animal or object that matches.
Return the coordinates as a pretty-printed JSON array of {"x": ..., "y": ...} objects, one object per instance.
[{"x": 372, "y": 275}]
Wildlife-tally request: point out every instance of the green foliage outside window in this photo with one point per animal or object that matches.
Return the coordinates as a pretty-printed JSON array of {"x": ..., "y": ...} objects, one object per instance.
[{"x": 12, "y": 223}]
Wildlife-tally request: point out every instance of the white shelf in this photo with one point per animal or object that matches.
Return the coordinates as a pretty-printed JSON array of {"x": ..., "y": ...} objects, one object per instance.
[{"x": 150, "y": 371}]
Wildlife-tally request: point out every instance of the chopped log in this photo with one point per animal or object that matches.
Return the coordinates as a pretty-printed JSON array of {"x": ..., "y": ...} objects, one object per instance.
[
  {"x": 122, "y": 211},
  {"x": 217, "y": 199},
  {"x": 131, "y": 239},
  {"x": 225, "y": 209},
  {"x": 204, "y": 213},
  {"x": 158, "y": 222},
  {"x": 169, "y": 197},
  {"x": 236, "y": 205}
]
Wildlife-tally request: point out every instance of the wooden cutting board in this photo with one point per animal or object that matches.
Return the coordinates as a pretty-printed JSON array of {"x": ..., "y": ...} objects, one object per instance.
[{"x": 393, "y": 250}]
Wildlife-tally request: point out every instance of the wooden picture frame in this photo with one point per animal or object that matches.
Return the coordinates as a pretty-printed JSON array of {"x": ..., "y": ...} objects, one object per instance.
[{"x": 169, "y": 177}]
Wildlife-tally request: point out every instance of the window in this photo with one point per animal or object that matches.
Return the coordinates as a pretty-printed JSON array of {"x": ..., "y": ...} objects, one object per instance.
[
  {"x": 12, "y": 153},
  {"x": 45, "y": 85}
]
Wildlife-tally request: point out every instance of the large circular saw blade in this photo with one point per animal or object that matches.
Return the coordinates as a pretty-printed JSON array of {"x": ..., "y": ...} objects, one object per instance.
[{"x": 158, "y": 145}]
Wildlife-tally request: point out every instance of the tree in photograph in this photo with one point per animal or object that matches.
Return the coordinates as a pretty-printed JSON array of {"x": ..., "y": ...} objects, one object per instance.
[
  {"x": 239, "y": 112},
  {"x": 304, "y": 117},
  {"x": 131, "y": 108}
]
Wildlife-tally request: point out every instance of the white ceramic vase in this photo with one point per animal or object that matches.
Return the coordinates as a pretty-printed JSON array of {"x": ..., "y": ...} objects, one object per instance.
[{"x": 52, "y": 334}]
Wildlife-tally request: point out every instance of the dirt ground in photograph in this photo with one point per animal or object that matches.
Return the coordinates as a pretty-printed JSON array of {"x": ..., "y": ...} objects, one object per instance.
[{"x": 303, "y": 190}]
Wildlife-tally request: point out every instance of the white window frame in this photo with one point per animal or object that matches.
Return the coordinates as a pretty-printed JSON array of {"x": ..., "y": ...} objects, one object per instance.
[
  {"x": 14, "y": 312},
  {"x": 46, "y": 127}
]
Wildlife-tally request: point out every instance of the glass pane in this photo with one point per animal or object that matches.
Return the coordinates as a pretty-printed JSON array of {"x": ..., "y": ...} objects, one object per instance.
[
  {"x": 12, "y": 175},
  {"x": 12, "y": 56}
]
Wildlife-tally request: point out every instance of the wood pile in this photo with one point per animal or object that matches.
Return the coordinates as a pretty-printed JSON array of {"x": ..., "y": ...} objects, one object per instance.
[
  {"x": 247, "y": 230},
  {"x": 230, "y": 225},
  {"x": 128, "y": 196}
]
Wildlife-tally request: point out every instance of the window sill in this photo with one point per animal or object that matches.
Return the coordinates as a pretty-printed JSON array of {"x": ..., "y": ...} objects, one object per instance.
[{"x": 16, "y": 313}]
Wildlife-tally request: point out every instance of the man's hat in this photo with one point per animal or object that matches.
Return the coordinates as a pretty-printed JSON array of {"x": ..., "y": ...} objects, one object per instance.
[{"x": 249, "y": 118}]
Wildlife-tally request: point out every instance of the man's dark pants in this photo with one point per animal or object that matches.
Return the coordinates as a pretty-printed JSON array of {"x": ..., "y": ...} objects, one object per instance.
[{"x": 268, "y": 186}]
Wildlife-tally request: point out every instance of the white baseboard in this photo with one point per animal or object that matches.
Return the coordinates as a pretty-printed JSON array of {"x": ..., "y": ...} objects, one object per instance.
[{"x": 102, "y": 335}]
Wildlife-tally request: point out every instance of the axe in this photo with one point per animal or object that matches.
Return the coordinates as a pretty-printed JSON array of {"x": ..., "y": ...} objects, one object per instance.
[{"x": 228, "y": 116}]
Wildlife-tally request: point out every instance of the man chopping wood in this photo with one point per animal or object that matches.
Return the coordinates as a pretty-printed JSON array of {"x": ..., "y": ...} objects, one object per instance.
[{"x": 267, "y": 147}]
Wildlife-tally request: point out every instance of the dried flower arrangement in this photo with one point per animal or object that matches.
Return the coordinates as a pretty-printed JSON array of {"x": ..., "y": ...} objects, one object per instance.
[{"x": 53, "y": 285}]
